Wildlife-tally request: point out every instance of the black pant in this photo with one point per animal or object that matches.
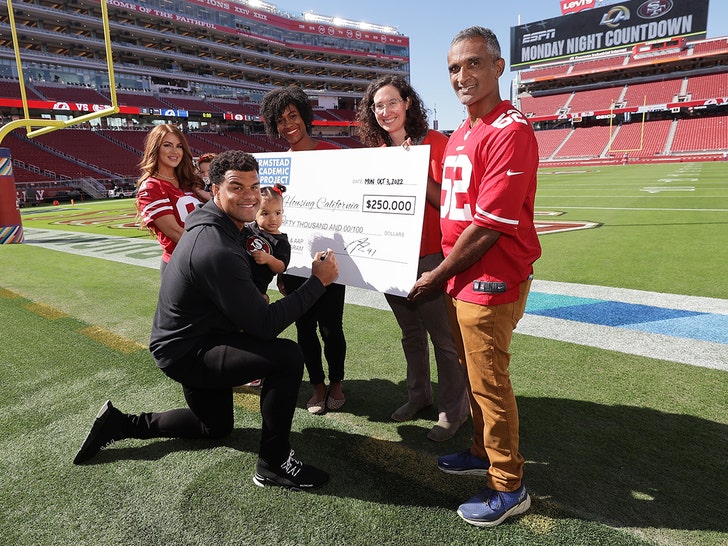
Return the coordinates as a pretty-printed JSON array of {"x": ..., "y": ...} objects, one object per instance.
[
  {"x": 328, "y": 315},
  {"x": 207, "y": 377}
]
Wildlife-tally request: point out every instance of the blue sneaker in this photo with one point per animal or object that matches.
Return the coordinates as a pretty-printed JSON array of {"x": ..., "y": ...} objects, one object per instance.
[
  {"x": 489, "y": 508},
  {"x": 463, "y": 462}
]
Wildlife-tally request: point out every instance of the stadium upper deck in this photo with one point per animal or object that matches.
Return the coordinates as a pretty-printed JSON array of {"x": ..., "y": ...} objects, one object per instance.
[
  {"x": 586, "y": 75},
  {"x": 647, "y": 67},
  {"x": 217, "y": 49}
]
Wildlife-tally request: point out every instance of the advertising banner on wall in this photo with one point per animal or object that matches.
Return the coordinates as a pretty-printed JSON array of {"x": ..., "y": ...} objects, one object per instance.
[
  {"x": 572, "y": 6},
  {"x": 606, "y": 28}
]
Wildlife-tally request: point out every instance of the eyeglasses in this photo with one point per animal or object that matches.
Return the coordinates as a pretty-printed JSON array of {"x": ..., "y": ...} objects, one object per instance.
[{"x": 391, "y": 104}]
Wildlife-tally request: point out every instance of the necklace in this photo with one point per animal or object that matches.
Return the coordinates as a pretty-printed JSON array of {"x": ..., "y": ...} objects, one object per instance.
[
  {"x": 394, "y": 143},
  {"x": 170, "y": 178}
]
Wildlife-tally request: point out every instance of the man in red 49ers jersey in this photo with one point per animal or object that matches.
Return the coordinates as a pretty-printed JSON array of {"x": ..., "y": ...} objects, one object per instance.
[{"x": 490, "y": 244}]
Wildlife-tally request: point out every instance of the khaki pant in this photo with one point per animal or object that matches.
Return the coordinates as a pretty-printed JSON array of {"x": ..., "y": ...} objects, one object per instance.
[
  {"x": 429, "y": 315},
  {"x": 483, "y": 335}
]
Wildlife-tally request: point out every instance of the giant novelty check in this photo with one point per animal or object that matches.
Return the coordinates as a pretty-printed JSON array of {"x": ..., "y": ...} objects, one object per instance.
[{"x": 367, "y": 205}]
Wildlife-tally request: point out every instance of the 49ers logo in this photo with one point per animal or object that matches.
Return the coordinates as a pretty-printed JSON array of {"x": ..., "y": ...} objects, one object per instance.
[
  {"x": 652, "y": 9},
  {"x": 253, "y": 243}
]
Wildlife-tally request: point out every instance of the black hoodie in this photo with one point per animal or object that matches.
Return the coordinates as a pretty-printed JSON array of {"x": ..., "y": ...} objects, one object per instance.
[{"x": 207, "y": 289}]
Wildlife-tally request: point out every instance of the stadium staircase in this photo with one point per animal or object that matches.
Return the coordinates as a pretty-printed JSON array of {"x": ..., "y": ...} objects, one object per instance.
[
  {"x": 563, "y": 143},
  {"x": 90, "y": 186},
  {"x": 670, "y": 138}
]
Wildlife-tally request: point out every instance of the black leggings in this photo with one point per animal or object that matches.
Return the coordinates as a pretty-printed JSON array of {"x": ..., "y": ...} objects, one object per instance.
[{"x": 328, "y": 315}]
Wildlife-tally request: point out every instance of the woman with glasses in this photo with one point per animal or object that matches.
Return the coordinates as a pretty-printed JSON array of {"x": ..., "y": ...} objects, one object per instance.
[{"x": 392, "y": 114}]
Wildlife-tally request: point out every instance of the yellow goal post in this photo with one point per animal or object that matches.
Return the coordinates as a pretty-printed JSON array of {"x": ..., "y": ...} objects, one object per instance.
[
  {"x": 49, "y": 125},
  {"x": 642, "y": 129}
]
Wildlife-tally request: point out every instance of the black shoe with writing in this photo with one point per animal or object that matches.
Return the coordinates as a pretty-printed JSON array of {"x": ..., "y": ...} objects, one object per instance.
[
  {"x": 291, "y": 474},
  {"x": 105, "y": 430}
]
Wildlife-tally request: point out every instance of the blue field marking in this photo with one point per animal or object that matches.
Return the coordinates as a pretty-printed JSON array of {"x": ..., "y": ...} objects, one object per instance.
[
  {"x": 704, "y": 327},
  {"x": 613, "y": 313},
  {"x": 644, "y": 318},
  {"x": 542, "y": 301}
]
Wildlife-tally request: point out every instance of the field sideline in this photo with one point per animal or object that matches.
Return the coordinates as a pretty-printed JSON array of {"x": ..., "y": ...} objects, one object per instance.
[
  {"x": 621, "y": 447},
  {"x": 686, "y": 329}
]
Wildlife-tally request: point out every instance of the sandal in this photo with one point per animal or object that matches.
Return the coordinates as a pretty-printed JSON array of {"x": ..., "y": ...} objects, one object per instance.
[
  {"x": 335, "y": 403},
  {"x": 317, "y": 407}
]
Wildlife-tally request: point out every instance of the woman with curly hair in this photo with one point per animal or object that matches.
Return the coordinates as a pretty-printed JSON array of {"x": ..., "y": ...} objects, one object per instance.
[
  {"x": 392, "y": 114},
  {"x": 287, "y": 113}
]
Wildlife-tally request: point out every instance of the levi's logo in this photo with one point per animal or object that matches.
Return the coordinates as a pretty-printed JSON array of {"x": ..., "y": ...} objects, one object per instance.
[{"x": 572, "y": 6}]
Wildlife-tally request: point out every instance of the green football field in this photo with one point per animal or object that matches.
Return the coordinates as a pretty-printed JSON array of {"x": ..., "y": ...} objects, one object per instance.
[
  {"x": 664, "y": 227},
  {"x": 621, "y": 449}
]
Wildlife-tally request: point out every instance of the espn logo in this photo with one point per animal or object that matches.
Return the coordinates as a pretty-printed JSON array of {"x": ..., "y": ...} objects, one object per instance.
[{"x": 572, "y": 6}]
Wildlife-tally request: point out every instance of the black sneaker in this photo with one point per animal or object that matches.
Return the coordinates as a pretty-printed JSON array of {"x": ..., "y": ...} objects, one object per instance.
[
  {"x": 292, "y": 474},
  {"x": 102, "y": 433}
]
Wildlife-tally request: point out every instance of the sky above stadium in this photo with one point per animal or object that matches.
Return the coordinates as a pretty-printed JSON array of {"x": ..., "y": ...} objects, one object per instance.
[{"x": 431, "y": 25}]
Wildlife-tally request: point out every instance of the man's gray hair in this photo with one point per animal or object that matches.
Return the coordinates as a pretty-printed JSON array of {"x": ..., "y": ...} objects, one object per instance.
[{"x": 487, "y": 35}]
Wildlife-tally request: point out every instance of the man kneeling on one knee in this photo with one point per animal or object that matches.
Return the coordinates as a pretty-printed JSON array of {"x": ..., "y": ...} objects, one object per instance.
[{"x": 213, "y": 330}]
